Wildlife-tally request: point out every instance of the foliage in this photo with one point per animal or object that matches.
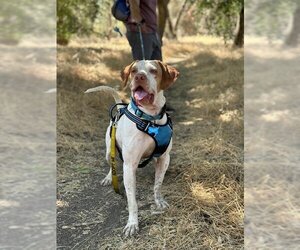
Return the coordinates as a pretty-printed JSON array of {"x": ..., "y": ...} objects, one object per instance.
[
  {"x": 83, "y": 17},
  {"x": 75, "y": 16},
  {"x": 93, "y": 16},
  {"x": 104, "y": 19},
  {"x": 221, "y": 16},
  {"x": 269, "y": 17},
  {"x": 23, "y": 17}
]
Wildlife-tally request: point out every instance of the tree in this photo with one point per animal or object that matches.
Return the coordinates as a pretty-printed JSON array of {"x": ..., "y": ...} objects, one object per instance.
[
  {"x": 185, "y": 8},
  {"x": 239, "y": 38},
  {"x": 293, "y": 38},
  {"x": 163, "y": 14},
  {"x": 75, "y": 17},
  {"x": 270, "y": 18},
  {"x": 221, "y": 17},
  {"x": 22, "y": 17}
]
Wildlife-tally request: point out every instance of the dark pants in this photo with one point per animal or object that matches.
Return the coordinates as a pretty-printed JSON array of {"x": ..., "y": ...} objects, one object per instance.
[{"x": 152, "y": 46}]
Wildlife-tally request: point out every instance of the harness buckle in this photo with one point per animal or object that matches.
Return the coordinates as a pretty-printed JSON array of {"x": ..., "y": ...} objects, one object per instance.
[
  {"x": 117, "y": 117},
  {"x": 138, "y": 112},
  {"x": 147, "y": 126}
]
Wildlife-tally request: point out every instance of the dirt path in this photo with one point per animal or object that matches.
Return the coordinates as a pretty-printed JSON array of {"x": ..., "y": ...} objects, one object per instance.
[
  {"x": 272, "y": 146},
  {"x": 27, "y": 135},
  {"x": 204, "y": 182}
]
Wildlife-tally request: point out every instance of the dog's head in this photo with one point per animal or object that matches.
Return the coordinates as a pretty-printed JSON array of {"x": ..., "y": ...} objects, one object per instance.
[{"x": 147, "y": 78}]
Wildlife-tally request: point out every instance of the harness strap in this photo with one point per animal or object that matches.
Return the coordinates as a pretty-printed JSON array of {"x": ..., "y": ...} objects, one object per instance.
[
  {"x": 145, "y": 162},
  {"x": 161, "y": 134},
  {"x": 142, "y": 125},
  {"x": 145, "y": 116},
  {"x": 122, "y": 112},
  {"x": 111, "y": 110},
  {"x": 139, "y": 122}
]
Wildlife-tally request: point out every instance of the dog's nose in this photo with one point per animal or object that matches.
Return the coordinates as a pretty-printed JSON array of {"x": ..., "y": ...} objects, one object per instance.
[{"x": 140, "y": 77}]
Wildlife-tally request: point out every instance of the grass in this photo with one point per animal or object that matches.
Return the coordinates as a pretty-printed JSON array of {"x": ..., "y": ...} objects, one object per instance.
[{"x": 204, "y": 183}]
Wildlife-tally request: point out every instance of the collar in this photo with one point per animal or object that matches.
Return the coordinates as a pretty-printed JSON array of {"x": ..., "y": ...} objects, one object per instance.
[{"x": 145, "y": 116}]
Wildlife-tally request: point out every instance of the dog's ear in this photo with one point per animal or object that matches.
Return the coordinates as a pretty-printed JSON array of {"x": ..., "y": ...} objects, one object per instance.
[
  {"x": 169, "y": 75},
  {"x": 125, "y": 73}
]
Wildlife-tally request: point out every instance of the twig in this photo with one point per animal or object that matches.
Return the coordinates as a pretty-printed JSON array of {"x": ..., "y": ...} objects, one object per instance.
[{"x": 82, "y": 224}]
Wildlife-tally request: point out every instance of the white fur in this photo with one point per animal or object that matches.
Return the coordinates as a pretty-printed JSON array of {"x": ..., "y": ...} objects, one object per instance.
[
  {"x": 136, "y": 145},
  {"x": 107, "y": 90}
]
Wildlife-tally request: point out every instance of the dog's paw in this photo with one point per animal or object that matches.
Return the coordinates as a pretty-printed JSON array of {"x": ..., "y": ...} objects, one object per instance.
[
  {"x": 131, "y": 229},
  {"x": 161, "y": 203},
  {"x": 106, "y": 181}
]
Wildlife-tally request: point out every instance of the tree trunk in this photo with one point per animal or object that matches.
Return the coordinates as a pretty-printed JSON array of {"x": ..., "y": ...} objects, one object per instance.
[
  {"x": 110, "y": 24},
  {"x": 293, "y": 37},
  {"x": 162, "y": 16},
  {"x": 173, "y": 34},
  {"x": 239, "y": 38},
  {"x": 179, "y": 15}
]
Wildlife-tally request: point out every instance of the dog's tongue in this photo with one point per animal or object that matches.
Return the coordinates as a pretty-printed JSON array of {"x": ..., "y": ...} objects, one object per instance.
[{"x": 140, "y": 94}]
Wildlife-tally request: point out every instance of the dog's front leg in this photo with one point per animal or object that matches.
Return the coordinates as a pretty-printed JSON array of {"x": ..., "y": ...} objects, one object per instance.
[
  {"x": 160, "y": 170},
  {"x": 129, "y": 172}
]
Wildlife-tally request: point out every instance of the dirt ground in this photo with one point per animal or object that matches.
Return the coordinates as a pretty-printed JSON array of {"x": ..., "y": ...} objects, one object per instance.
[
  {"x": 204, "y": 183},
  {"x": 272, "y": 146},
  {"x": 27, "y": 145}
]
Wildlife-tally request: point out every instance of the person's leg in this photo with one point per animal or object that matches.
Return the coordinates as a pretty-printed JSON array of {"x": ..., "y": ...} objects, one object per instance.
[
  {"x": 156, "y": 53},
  {"x": 136, "y": 48}
]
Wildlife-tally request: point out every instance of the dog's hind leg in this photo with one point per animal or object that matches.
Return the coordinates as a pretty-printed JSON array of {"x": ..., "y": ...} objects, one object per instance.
[{"x": 108, "y": 179}]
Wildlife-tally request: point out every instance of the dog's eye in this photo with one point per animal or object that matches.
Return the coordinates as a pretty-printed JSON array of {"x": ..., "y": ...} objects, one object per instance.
[
  {"x": 133, "y": 71},
  {"x": 153, "y": 71}
]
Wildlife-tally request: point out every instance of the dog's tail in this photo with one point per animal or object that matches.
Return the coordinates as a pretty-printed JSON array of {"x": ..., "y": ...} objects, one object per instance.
[{"x": 107, "y": 90}]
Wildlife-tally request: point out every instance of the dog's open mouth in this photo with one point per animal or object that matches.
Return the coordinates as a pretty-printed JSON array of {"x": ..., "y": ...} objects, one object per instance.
[{"x": 141, "y": 95}]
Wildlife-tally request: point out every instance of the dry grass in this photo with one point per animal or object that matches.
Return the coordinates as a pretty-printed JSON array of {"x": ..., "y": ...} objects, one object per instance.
[{"x": 204, "y": 183}]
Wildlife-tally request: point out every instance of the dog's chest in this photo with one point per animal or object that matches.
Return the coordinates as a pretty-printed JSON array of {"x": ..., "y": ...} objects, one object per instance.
[{"x": 132, "y": 139}]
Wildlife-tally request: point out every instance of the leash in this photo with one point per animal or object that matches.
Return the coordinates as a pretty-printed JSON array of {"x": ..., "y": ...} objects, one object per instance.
[
  {"x": 113, "y": 146},
  {"x": 141, "y": 40},
  {"x": 116, "y": 29},
  {"x": 113, "y": 164}
]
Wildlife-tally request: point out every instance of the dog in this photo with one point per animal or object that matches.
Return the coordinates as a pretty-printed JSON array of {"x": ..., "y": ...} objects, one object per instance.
[{"x": 147, "y": 79}]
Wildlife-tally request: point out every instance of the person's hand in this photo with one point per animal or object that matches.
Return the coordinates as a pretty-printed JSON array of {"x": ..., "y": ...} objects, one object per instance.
[
  {"x": 138, "y": 20},
  {"x": 141, "y": 22}
]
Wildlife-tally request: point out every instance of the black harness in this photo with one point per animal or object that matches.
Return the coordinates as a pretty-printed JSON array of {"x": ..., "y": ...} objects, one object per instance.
[{"x": 161, "y": 134}]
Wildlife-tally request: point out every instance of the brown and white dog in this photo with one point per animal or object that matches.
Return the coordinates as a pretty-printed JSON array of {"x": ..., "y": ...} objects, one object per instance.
[{"x": 147, "y": 81}]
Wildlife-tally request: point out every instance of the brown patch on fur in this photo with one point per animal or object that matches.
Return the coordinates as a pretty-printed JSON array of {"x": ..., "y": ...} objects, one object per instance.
[
  {"x": 125, "y": 73},
  {"x": 168, "y": 76}
]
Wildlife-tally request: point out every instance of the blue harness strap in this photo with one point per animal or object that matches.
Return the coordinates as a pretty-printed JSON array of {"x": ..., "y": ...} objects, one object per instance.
[
  {"x": 161, "y": 134},
  {"x": 145, "y": 116}
]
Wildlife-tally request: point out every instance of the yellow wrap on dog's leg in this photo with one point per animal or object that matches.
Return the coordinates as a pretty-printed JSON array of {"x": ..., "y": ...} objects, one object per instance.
[{"x": 113, "y": 159}]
